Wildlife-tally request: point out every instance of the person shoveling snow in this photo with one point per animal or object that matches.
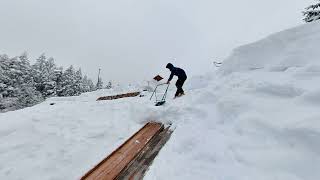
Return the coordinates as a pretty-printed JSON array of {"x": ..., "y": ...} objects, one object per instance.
[{"x": 182, "y": 77}]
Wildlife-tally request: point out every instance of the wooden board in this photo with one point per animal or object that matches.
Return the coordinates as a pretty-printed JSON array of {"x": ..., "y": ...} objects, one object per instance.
[
  {"x": 133, "y": 94},
  {"x": 119, "y": 160},
  {"x": 137, "y": 169}
]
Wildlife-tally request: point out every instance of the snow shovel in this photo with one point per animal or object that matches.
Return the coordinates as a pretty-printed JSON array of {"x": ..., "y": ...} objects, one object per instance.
[{"x": 160, "y": 102}]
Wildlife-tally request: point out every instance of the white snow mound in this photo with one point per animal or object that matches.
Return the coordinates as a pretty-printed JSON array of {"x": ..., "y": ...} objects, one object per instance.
[{"x": 291, "y": 48}]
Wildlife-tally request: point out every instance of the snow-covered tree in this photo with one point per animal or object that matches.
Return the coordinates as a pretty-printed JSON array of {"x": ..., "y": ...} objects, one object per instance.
[
  {"x": 312, "y": 12},
  {"x": 44, "y": 72},
  {"x": 3, "y": 81},
  {"x": 71, "y": 82},
  {"x": 26, "y": 70},
  {"x": 66, "y": 82},
  {"x": 4, "y": 78},
  {"x": 15, "y": 77},
  {"x": 87, "y": 84},
  {"x": 28, "y": 96},
  {"x": 50, "y": 83},
  {"x": 14, "y": 73},
  {"x": 22, "y": 84},
  {"x": 91, "y": 85},
  {"x": 78, "y": 82},
  {"x": 99, "y": 83},
  {"x": 38, "y": 73}
]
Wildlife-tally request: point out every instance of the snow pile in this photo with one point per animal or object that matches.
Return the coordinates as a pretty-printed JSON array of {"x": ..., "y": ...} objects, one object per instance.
[
  {"x": 255, "y": 118},
  {"x": 291, "y": 48},
  {"x": 64, "y": 140}
]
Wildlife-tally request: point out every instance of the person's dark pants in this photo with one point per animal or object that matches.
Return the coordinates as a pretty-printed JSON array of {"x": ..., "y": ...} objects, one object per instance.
[{"x": 179, "y": 85}]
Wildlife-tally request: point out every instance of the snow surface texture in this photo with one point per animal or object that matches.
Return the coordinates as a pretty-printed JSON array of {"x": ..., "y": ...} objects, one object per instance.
[
  {"x": 256, "y": 117},
  {"x": 291, "y": 48},
  {"x": 64, "y": 140}
]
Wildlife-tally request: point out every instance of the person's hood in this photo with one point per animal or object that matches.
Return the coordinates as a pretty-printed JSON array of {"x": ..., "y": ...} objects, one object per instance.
[{"x": 170, "y": 66}]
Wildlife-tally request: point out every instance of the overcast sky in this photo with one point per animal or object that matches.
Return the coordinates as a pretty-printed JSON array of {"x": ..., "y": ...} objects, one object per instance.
[{"x": 133, "y": 40}]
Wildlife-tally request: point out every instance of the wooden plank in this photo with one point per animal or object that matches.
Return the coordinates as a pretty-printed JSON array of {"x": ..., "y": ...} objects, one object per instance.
[
  {"x": 116, "y": 162},
  {"x": 137, "y": 169},
  {"x": 133, "y": 94}
]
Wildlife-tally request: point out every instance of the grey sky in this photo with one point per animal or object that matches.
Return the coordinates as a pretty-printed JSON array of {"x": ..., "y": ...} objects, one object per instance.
[{"x": 134, "y": 39}]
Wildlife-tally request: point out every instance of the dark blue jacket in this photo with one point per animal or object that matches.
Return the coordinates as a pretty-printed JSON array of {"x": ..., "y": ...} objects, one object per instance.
[{"x": 175, "y": 71}]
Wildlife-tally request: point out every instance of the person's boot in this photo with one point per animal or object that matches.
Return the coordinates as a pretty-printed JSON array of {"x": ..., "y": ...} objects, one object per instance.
[
  {"x": 176, "y": 95},
  {"x": 180, "y": 94}
]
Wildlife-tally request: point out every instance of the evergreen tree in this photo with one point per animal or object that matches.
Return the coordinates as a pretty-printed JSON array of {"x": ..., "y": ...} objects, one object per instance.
[
  {"x": 44, "y": 76},
  {"x": 23, "y": 85},
  {"x": 91, "y": 85},
  {"x": 312, "y": 12},
  {"x": 25, "y": 68},
  {"x": 58, "y": 80},
  {"x": 28, "y": 96},
  {"x": 39, "y": 74},
  {"x": 4, "y": 78},
  {"x": 50, "y": 79},
  {"x": 78, "y": 82},
  {"x": 14, "y": 74},
  {"x": 99, "y": 83},
  {"x": 87, "y": 84},
  {"x": 68, "y": 83}
]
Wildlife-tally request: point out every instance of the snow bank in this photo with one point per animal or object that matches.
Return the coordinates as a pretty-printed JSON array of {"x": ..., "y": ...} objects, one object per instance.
[
  {"x": 65, "y": 140},
  {"x": 291, "y": 48},
  {"x": 256, "y": 118}
]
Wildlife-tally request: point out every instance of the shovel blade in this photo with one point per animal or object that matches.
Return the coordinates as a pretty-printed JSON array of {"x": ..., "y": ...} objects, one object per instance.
[{"x": 160, "y": 103}]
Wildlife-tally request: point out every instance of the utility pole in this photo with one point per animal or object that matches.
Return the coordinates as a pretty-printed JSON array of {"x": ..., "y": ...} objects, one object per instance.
[
  {"x": 98, "y": 83},
  {"x": 99, "y": 75}
]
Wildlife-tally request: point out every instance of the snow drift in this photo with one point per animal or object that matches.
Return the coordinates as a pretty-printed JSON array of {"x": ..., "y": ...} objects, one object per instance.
[
  {"x": 290, "y": 48},
  {"x": 257, "y": 117}
]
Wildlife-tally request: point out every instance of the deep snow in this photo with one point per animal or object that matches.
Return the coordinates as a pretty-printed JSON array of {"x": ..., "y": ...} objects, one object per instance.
[
  {"x": 61, "y": 141},
  {"x": 256, "y": 117}
]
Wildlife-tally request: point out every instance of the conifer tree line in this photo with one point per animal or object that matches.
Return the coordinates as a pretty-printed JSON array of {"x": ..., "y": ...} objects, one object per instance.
[
  {"x": 312, "y": 12},
  {"x": 23, "y": 84}
]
